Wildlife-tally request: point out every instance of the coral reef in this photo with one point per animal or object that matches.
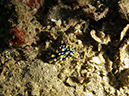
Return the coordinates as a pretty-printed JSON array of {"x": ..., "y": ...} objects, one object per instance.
[{"x": 93, "y": 34}]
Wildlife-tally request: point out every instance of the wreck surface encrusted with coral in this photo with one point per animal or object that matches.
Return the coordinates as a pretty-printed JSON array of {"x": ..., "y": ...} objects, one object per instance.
[{"x": 91, "y": 36}]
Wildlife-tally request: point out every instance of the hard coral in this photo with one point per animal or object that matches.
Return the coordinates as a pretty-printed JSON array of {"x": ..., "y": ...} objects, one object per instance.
[{"x": 19, "y": 37}]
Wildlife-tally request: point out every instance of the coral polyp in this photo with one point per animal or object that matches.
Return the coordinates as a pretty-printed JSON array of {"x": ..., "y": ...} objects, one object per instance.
[{"x": 18, "y": 37}]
